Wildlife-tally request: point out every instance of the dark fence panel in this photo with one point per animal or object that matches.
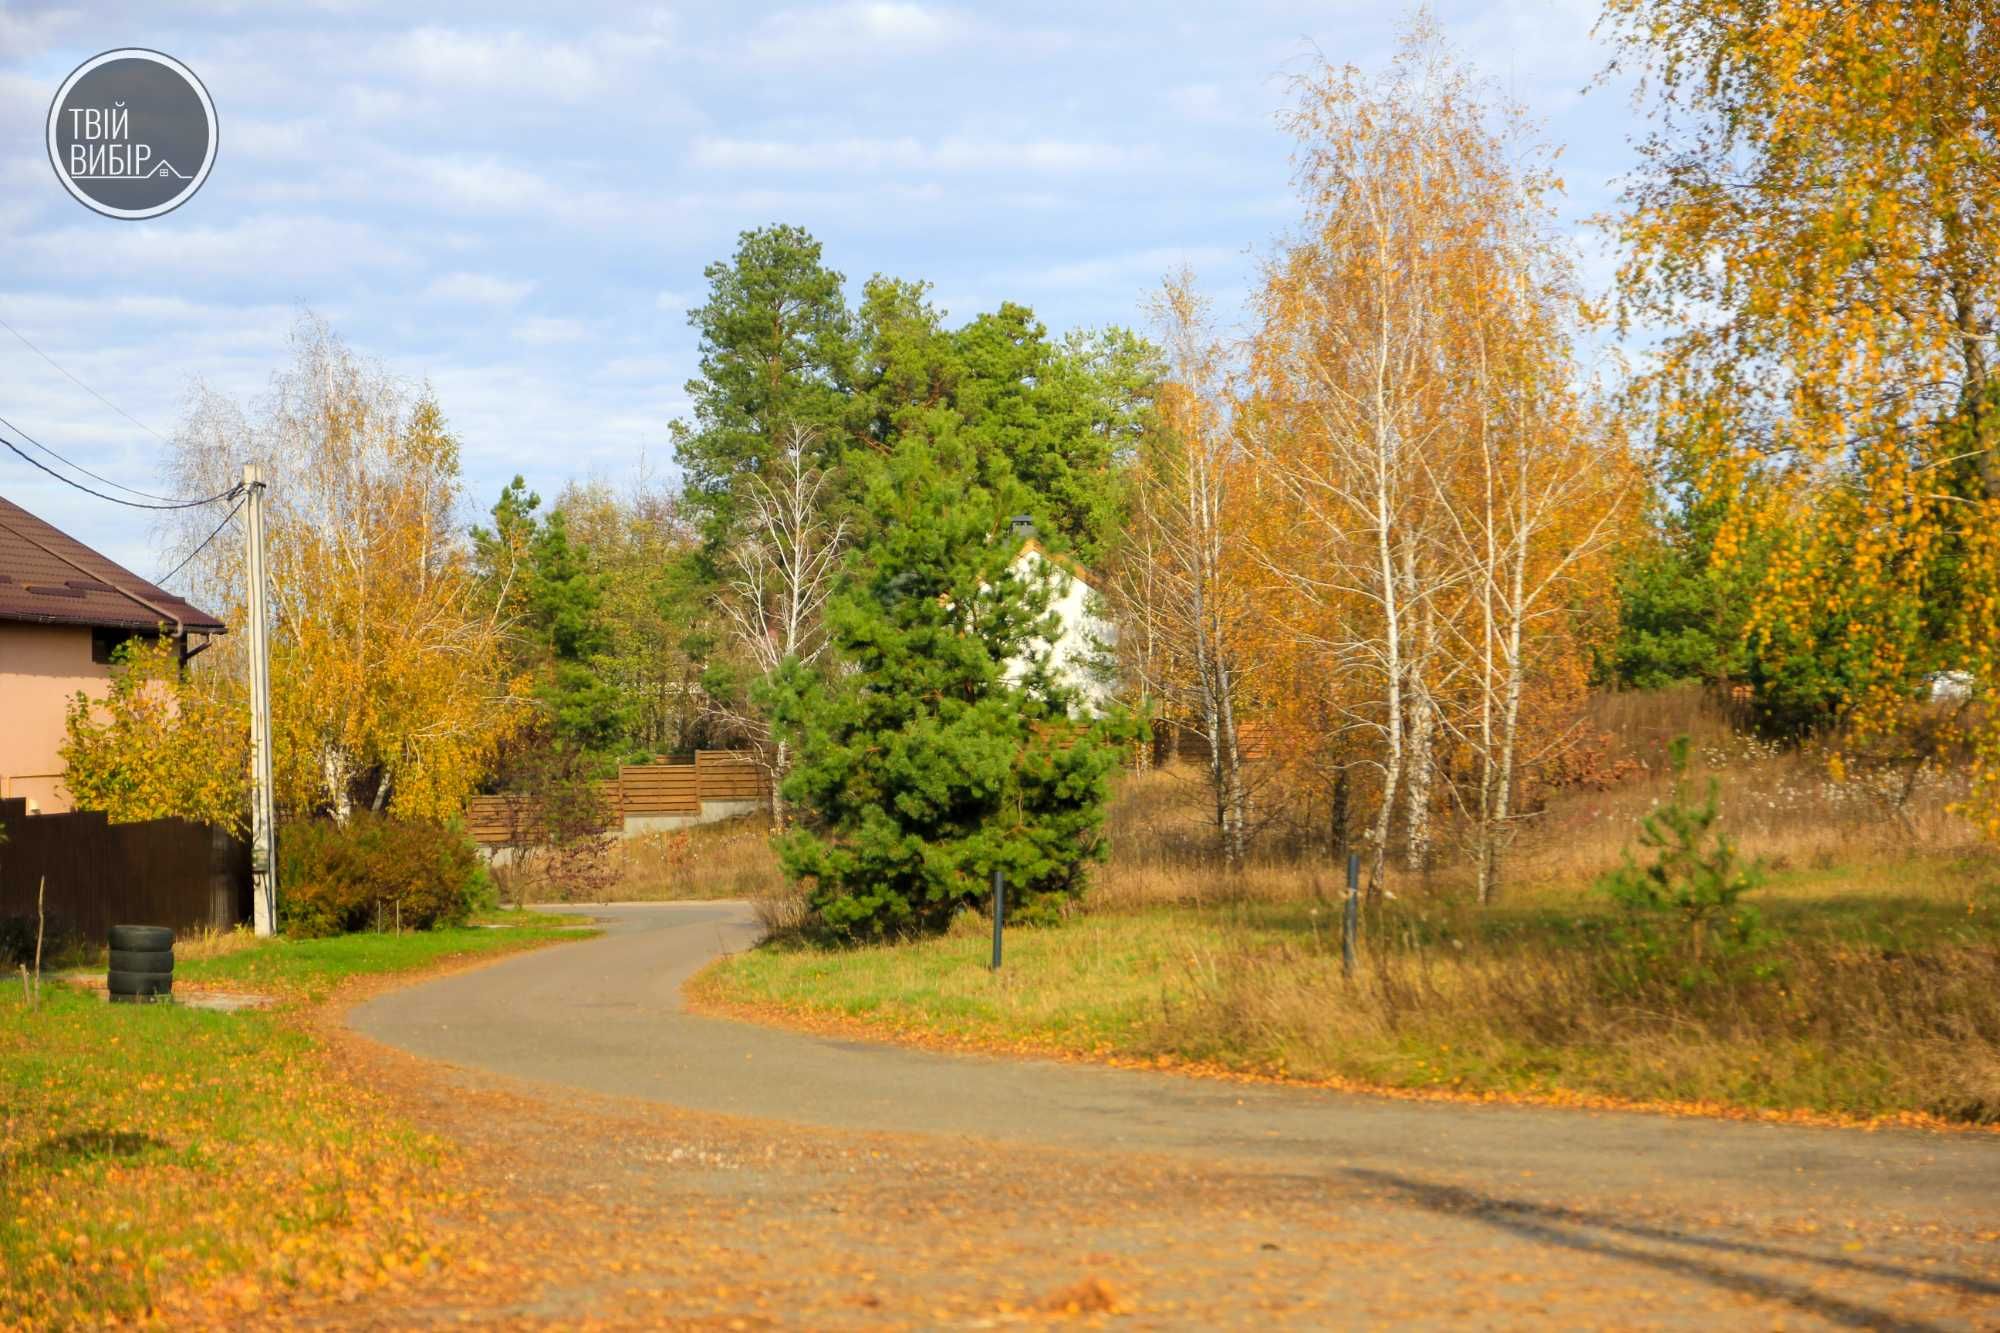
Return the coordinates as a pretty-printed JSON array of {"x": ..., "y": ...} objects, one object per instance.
[{"x": 157, "y": 872}]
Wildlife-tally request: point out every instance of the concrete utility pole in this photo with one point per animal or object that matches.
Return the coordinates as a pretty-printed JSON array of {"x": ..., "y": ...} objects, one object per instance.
[{"x": 263, "y": 816}]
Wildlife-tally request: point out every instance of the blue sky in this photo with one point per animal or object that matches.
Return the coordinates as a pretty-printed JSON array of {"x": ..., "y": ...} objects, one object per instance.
[{"x": 515, "y": 202}]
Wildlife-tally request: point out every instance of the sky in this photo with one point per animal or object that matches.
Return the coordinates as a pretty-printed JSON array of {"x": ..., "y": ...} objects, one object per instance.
[{"x": 515, "y": 202}]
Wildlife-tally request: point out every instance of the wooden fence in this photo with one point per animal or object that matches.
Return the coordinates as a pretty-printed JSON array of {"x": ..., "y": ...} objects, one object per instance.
[
  {"x": 729, "y": 775},
  {"x": 156, "y": 872},
  {"x": 640, "y": 790},
  {"x": 511, "y": 818},
  {"x": 1187, "y": 743}
]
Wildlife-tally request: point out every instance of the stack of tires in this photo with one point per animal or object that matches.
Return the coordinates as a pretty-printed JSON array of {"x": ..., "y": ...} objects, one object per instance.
[{"x": 142, "y": 963}]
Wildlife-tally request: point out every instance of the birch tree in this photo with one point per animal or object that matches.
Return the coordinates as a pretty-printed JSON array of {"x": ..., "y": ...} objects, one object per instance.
[
  {"x": 777, "y": 577},
  {"x": 1814, "y": 227},
  {"x": 386, "y": 662},
  {"x": 1357, "y": 394},
  {"x": 1175, "y": 580},
  {"x": 1437, "y": 489}
]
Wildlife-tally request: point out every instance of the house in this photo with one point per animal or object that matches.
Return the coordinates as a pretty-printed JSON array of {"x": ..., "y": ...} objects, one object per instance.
[
  {"x": 64, "y": 608},
  {"x": 1081, "y": 656}
]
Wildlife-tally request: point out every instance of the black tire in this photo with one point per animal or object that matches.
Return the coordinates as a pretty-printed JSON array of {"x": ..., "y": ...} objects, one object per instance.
[
  {"x": 147, "y": 938},
  {"x": 140, "y": 983},
  {"x": 142, "y": 960}
]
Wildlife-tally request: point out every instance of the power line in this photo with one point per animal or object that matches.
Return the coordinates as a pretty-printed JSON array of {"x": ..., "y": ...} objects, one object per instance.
[
  {"x": 162, "y": 580},
  {"x": 27, "y": 457},
  {"x": 78, "y": 467},
  {"x": 80, "y": 384}
]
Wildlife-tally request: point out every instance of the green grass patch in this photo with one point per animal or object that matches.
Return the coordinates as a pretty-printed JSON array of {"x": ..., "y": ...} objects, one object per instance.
[
  {"x": 151, "y": 1151},
  {"x": 1879, "y": 995},
  {"x": 310, "y": 969}
]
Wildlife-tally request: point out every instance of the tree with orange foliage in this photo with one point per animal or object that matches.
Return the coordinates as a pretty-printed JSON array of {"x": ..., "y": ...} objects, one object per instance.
[
  {"x": 1817, "y": 226},
  {"x": 389, "y": 687},
  {"x": 1434, "y": 488}
]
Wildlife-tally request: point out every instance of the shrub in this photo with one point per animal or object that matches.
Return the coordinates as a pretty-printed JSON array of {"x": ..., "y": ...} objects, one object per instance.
[
  {"x": 374, "y": 873},
  {"x": 1683, "y": 912}
]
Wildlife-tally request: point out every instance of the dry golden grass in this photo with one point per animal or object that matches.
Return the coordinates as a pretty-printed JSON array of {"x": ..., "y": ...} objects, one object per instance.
[
  {"x": 728, "y": 859},
  {"x": 1876, "y": 992},
  {"x": 202, "y": 945},
  {"x": 1814, "y": 807}
]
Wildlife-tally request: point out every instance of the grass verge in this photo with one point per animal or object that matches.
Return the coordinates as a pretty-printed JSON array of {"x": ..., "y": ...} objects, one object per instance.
[
  {"x": 1878, "y": 998},
  {"x": 162, "y": 1163}
]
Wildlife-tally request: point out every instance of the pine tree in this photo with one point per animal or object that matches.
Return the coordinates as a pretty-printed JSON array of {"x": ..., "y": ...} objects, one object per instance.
[
  {"x": 777, "y": 352},
  {"x": 546, "y": 586},
  {"x": 565, "y": 600},
  {"x": 944, "y": 749}
]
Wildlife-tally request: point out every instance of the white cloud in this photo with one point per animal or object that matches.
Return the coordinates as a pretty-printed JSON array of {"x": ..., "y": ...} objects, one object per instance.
[
  {"x": 480, "y": 183},
  {"x": 478, "y": 289},
  {"x": 1145, "y": 266},
  {"x": 279, "y": 140},
  {"x": 857, "y": 31},
  {"x": 672, "y": 302},
  {"x": 296, "y": 245},
  {"x": 909, "y": 154},
  {"x": 513, "y": 62},
  {"x": 664, "y": 369},
  {"x": 544, "y": 330},
  {"x": 28, "y": 34}
]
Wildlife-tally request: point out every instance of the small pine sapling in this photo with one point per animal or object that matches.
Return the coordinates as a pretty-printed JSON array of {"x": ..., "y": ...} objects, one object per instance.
[{"x": 1697, "y": 880}]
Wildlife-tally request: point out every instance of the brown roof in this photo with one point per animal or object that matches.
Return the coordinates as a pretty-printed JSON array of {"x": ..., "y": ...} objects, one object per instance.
[{"x": 51, "y": 578}]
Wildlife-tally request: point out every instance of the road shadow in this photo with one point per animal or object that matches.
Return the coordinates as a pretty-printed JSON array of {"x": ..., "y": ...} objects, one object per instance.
[{"x": 1572, "y": 1228}]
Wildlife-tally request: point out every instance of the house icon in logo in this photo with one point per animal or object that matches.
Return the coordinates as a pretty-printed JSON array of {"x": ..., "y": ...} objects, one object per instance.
[{"x": 166, "y": 170}]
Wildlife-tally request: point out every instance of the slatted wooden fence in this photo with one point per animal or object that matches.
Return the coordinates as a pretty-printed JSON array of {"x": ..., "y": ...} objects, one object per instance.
[
  {"x": 640, "y": 790},
  {"x": 1187, "y": 743},
  {"x": 729, "y": 775},
  {"x": 155, "y": 872},
  {"x": 661, "y": 789},
  {"x": 513, "y": 818}
]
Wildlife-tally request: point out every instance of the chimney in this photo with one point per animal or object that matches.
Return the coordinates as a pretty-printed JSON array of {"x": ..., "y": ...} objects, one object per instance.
[{"x": 1022, "y": 526}]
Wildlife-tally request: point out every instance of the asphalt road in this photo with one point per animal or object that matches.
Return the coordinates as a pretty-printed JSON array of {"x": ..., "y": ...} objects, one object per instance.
[{"x": 1685, "y": 1199}]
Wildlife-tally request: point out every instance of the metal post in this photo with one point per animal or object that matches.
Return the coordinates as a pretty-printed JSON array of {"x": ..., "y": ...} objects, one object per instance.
[
  {"x": 1350, "y": 915},
  {"x": 999, "y": 914},
  {"x": 263, "y": 816}
]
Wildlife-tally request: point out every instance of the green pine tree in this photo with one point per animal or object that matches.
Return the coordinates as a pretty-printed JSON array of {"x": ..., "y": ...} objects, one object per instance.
[
  {"x": 1696, "y": 881},
  {"x": 565, "y": 601},
  {"x": 545, "y": 583},
  {"x": 777, "y": 351},
  {"x": 922, "y": 766}
]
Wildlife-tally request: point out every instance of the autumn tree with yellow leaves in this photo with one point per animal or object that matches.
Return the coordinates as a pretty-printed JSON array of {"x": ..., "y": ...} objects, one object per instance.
[
  {"x": 162, "y": 742},
  {"x": 1816, "y": 229},
  {"x": 388, "y": 681},
  {"x": 1433, "y": 493}
]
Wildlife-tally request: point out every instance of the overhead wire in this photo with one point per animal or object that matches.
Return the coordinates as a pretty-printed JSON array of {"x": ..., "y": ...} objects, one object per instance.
[
  {"x": 27, "y": 457},
  {"x": 80, "y": 384},
  {"x": 189, "y": 558},
  {"x": 78, "y": 467}
]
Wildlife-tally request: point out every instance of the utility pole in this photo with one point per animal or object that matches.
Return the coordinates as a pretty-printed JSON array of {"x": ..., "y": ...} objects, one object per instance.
[{"x": 263, "y": 815}]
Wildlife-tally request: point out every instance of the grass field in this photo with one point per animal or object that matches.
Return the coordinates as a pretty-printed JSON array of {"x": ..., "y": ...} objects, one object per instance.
[
  {"x": 160, "y": 1160},
  {"x": 1877, "y": 995}
]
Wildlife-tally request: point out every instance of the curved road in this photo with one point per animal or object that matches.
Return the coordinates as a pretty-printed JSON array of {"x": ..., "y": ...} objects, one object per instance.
[{"x": 605, "y": 1015}]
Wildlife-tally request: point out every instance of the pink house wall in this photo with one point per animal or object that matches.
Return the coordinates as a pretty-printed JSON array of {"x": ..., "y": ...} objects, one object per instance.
[{"x": 41, "y": 669}]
